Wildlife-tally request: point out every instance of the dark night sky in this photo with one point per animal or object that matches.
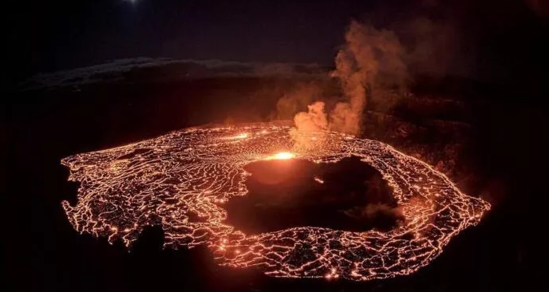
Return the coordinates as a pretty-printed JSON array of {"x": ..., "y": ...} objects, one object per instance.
[
  {"x": 489, "y": 39},
  {"x": 504, "y": 44}
]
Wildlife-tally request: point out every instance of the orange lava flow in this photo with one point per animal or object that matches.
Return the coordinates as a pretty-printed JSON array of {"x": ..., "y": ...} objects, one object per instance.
[
  {"x": 281, "y": 156},
  {"x": 181, "y": 181}
]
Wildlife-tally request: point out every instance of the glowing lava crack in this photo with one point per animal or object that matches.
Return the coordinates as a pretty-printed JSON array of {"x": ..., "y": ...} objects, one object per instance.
[{"x": 181, "y": 180}]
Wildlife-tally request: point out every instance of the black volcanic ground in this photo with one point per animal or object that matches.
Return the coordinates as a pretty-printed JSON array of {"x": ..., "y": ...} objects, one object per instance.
[
  {"x": 284, "y": 194},
  {"x": 488, "y": 142}
]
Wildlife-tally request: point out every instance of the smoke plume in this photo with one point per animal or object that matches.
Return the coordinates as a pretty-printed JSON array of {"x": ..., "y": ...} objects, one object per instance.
[
  {"x": 370, "y": 61},
  {"x": 312, "y": 122},
  {"x": 291, "y": 103}
]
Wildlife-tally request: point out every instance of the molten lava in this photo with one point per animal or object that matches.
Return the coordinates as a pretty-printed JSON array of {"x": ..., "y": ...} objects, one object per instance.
[
  {"x": 181, "y": 181},
  {"x": 281, "y": 156}
]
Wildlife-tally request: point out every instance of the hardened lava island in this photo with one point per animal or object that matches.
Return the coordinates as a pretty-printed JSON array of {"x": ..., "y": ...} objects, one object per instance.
[{"x": 182, "y": 180}]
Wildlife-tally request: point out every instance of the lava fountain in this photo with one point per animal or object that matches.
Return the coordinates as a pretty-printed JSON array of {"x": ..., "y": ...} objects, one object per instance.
[{"x": 182, "y": 180}]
